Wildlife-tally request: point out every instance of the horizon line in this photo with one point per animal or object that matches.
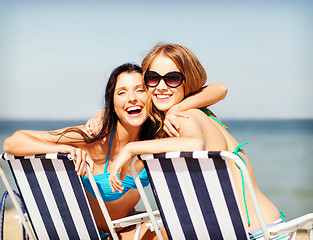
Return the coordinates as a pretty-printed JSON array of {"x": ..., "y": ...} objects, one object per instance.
[{"x": 85, "y": 120}]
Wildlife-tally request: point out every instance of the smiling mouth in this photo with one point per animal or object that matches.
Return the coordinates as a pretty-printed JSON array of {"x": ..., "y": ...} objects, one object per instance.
[
  {"x": 163, "y": 96},
  {"x": 134, "y": 110}
]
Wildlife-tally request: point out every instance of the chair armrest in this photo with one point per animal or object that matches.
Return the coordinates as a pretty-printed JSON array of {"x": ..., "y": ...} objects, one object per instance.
[
  {"x": 134, "y": 219},
  {"x": 303, "y": 222}
]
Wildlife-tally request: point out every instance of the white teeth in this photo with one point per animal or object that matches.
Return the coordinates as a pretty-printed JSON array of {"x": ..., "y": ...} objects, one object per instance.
[
  {"x": 133, "y": 108},
  {"x": 162, "y": 96}
]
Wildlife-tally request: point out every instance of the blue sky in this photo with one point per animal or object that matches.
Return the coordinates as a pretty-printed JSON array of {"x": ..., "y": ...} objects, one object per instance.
[{"x": 55, "y": 57}]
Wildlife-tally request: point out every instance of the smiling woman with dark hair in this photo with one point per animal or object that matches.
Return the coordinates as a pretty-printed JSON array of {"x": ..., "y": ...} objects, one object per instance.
[{"x": 126, "y": 118}]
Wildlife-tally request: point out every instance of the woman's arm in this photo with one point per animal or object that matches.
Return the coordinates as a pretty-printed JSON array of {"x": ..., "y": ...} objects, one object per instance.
[
  {"x": 28, "y": 142},
  {"x": 188, "y": 141},
  {"x": 205, "y": 97}
]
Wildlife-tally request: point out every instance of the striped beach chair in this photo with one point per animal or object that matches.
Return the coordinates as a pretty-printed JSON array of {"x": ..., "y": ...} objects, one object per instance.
[
  {"x": 195, "y": 195},
  {"x": 56, "y": 203}
]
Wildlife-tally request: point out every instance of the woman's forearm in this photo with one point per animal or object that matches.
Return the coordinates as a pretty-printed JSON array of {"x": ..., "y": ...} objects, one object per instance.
[
  {"x": 164, "y": 145},
  {"x": 21, "y": 143},
  {"x": 123, "y": 160},
  {"x": 205, "y": 97},
  {"x": 28, "y": 142}
]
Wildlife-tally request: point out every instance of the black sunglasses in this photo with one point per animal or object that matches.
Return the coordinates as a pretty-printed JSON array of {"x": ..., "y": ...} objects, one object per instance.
[{"x": 171, "y": 79}]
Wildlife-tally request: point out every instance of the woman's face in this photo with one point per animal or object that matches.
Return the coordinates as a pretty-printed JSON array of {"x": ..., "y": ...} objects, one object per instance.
[
  {"x": 163, "y": 96},
  {"x": 130, "y": 99}
]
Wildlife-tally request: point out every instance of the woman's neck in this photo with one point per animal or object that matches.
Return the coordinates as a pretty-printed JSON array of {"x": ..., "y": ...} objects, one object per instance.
[{"x": 124, "y": 135}]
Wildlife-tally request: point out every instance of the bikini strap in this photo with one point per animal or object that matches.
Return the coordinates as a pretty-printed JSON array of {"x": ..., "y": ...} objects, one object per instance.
[
  {"x": 108, "y": 156},
  {"x": 282, "y": 215},
  {"x": 210, "y": 114},
  {"x": 236, "y": 152}
]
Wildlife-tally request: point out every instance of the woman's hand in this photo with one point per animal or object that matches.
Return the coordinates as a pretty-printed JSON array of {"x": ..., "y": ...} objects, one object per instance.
[
  {"x": 94, "y": 125},
  {"x": 171, "y": 127},
  {"x": 80, "y": 157},
  {"x": 121, "y": 164}
]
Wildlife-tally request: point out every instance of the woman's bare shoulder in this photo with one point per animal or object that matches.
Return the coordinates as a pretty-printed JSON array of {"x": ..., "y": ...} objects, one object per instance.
[
  {"x": 194, "y": 121},
  {"x": 196, "y": 113}
]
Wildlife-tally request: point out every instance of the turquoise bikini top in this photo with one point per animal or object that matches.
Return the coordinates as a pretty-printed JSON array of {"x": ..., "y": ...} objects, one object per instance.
[{"x": 103, "y": 184}]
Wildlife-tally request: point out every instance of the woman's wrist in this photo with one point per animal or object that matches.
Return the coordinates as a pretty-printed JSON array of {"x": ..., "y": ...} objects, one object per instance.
[
  {"x": 176, "y": 109},
  {"x": 63, "y": 148},
  {"x": 128, "y": 150}
]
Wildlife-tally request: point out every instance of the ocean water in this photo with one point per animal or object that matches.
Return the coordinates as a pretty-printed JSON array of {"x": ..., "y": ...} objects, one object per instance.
[{"x": 280, "y": 151}]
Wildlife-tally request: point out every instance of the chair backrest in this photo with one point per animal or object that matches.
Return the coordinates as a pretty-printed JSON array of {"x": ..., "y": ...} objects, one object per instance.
[
  {"x": 54, "y": 196},
  {"x": 195, "y": 195}
]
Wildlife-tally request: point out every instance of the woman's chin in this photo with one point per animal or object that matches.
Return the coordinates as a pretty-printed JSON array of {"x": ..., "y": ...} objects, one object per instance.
[
  {"x": 137, "y": 122},
  {"x": 163, "y": 106}
]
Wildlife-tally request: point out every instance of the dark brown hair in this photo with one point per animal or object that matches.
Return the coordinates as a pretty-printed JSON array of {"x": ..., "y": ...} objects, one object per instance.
[{"x": 109, "y": 116}]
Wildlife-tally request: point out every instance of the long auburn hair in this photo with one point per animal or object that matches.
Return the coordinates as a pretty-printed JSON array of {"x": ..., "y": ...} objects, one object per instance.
[
  {"x": 187, "y": 63},
  {"x": 109, "y": 116},
  {"x": 185, "y": 60}
]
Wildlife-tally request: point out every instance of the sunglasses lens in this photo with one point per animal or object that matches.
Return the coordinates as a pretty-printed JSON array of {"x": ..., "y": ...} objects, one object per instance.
[
  {"x": 152, "y": 79},
  {"x": 173, "y": 79}
]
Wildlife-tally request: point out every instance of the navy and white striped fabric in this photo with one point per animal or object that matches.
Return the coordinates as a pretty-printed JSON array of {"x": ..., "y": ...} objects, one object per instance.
[
  {"x": 53, "y": 194},
  {"x": 195, "y": 195}
]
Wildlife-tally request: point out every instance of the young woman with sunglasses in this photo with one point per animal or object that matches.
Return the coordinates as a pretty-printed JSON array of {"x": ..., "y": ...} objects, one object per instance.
[
  {"x": 127, "y": 108},
  {"x": 207, "y": 131}
]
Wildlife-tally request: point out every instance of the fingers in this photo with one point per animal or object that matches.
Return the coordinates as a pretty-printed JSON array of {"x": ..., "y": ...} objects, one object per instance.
[
  {"x": 73, "y": 156},
  {"x": 80, "y": 158},
  {"x": 90, "y": 162},
  {"x": 115, "y": 183},
  {"x": 182, "y": 115},
  {"x": 93, "y": 126},
  {"x": 89, "y": 127},
  {"x": 165, "y": 128},
  {"x": 83, "y": 157},
  {"x": 171, "y": 128}
]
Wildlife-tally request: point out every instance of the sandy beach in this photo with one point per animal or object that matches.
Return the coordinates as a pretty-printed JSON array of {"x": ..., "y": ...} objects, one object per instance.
[{"x": 12, "y": 228}]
